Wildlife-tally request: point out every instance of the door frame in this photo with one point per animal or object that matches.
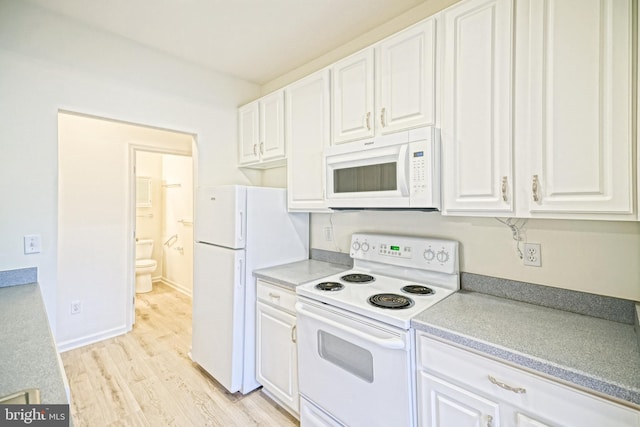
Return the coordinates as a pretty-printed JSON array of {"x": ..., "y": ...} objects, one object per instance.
[{"x": 134, "y": 148}]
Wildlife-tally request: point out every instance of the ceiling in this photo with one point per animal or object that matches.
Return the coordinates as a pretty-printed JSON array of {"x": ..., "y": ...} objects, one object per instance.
[{"x": 256, "y": 40}]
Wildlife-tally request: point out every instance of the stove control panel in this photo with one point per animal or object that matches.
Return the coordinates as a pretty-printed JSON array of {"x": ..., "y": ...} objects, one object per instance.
[{"x": 407, "y": 251}]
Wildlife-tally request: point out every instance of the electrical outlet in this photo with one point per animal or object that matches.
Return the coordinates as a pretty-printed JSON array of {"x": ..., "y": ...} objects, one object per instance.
[
  {"x": 532, "y": 254},
  {"x": 76, "y": 307},
  {"x": 328, "y": 234}
]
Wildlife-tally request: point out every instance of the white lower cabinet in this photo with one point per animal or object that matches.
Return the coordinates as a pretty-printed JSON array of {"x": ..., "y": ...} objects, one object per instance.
[
  {"x": 276, "y": 348},
  {"x": 450, "y": 405},
  {"x": 459, "y": 388}
]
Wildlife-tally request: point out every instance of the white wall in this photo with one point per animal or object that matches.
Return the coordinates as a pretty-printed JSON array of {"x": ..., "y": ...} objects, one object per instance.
[
  {"x": 47, "y": 63},
  {"x": 178, "y": 219}
]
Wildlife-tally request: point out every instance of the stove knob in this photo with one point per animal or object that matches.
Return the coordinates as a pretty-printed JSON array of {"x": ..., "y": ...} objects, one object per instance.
[
  {"x": 429, "y": 255},
  {"x": 365, "y": 247},
  {"x": 356, "y": 246},
  {"x": 443, "y": 256}
]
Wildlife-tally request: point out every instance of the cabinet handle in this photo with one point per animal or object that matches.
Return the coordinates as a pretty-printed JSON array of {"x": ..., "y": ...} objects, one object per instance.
[
  {"x": 294, "y": 333},
  {"x": 504, "y": 188},
  {"x": 275, "y": 296},
  {"x": 534, "y": 188},
  {"x": 489, "y": 420},
  {"x": 255, "y": 150},
  {"x": 369, "y": 120},
  {"x": 262, "y": 148},
  {"x": 382, "y": 122},
  {"x": 518, "y": 390}
]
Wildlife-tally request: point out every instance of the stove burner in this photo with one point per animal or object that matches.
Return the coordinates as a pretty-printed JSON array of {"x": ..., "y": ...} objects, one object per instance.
[
  {"x": 418, "y": 289},
  {"x": 329, "y": 286},
  {"x": 358, "y": 278},
  {"x": 391, "y": 301}
]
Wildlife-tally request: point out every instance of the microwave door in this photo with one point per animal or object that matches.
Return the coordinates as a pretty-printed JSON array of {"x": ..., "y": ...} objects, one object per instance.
[{"x": 374, "y": 177}]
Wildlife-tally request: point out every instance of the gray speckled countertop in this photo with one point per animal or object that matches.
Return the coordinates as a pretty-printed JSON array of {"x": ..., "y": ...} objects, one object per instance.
[
  {"x": 28, "y": 355},
  {"x": 297, "y": 273},
  {"x": 591, "y": 353}
]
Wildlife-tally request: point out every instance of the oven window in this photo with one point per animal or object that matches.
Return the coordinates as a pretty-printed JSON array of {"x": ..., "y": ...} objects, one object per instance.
[
  {"x": 346, "y": 355},
  {"x": 380, "y": 177}
]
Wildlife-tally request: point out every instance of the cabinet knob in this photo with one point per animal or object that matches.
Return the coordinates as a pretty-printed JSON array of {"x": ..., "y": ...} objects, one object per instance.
[
  {"x": 534, "y": 188},
  {"x": 489, "y": 421},
  {"x": 504, "y": 188},
  {"x": 255, "y": 150},
  {"x": 382, "y": 117},
  {"x": 368, "y": 120},
  {"x": 262, "y": 148},
  {"x": 294, "y": 333}
]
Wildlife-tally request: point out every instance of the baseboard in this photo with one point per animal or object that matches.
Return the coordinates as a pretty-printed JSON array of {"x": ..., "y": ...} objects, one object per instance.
[
  {"x": 178, "y": 287},
  {"x": 91, "y": 339}
]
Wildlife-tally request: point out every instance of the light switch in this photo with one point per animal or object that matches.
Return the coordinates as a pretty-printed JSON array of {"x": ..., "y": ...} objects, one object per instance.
[{"x": 32, "y": 244}]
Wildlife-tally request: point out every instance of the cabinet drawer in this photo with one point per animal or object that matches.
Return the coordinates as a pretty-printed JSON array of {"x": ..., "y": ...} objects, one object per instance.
[
  {"x": 532, "y": 394},
  {"x": 277, "y": 296}
]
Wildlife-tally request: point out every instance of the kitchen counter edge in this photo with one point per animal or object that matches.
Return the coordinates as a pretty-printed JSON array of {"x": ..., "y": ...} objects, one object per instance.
[
  {"x": 28, "y": 353},
  {"x": 297, "y": 273},
  {"x": 552, "y": 352}
]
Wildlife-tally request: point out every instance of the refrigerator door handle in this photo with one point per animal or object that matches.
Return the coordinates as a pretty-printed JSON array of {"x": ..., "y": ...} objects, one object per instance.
[
  {"x": 240, "y": 223},
  {"x": 240, "y": 274}
]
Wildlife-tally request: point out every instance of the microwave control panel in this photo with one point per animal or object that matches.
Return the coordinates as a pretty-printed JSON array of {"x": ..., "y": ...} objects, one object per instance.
[{"x": 420, "y": 170}]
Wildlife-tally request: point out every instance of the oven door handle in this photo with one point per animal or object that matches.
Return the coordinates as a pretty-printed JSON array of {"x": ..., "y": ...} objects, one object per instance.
[{"x": 391, "y": 343}]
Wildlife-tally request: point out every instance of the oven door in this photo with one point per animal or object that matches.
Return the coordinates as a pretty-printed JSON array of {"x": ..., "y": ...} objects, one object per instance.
[{"x": 356, "y": 370}]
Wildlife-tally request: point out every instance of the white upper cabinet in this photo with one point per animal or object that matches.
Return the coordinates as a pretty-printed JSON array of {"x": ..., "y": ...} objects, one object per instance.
[
  {"x": 261, "y": 132},
  {"x": 248, "y": 133},
  {"x": 576, "y": 108},
  {"x": 386, "y": 88},
  {"x": 307, "y": 133},
  {"x": 405, "y": 83},
  {"x": 546, "y": 132},
  {"x": 477, "y": 90},
  {"x": 353, "y": 98}
]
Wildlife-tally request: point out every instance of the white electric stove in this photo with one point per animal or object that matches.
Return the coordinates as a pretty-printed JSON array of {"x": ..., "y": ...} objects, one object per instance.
[
  {"x": 353, "y": 329},
  {"x": 393, "y": 278}
]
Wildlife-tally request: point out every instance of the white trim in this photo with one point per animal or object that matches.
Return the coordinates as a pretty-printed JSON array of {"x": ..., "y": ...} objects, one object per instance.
[
  {"x": 93, "y": 338},
  {"x": 177, "y": 286}
]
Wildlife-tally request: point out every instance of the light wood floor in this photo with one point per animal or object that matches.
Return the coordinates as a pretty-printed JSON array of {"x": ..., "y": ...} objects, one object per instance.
[{"x": 145, "y": 378}]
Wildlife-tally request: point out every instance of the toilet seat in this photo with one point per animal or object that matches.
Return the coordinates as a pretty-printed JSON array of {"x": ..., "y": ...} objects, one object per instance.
[{"x": 145, "y": 263}]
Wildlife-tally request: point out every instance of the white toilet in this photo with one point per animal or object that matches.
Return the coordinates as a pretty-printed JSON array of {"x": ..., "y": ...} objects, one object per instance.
[{"x": 145, "y": 265}]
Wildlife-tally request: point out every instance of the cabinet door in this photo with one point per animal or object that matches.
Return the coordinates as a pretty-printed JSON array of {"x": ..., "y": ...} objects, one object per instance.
[
  {"x": 353, "y": 98},
  {"x": 577, "y": 118},
  {"x": 248, "y": 133},
  {"x": 272, "y": 126},
  {"x": 307, "y": 133},
  {"x": 477, "y": 80},
  {"x": 276, "y": 354},
  {"x": 441, "y": 404},
  {"x": 405, "y": 93}
]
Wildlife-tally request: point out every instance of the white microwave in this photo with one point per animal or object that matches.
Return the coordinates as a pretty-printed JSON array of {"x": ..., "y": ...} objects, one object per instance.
[{"x": 396, "y": 171}]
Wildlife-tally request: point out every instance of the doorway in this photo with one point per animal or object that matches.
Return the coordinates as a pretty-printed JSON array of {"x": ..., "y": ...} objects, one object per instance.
[
  {"x": 96, "y": 221},
  {"x": 164, "y": 217}
]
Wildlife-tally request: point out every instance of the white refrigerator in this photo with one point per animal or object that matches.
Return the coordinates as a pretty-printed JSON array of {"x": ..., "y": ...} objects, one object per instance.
[{"x": 237, "y": 229}]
